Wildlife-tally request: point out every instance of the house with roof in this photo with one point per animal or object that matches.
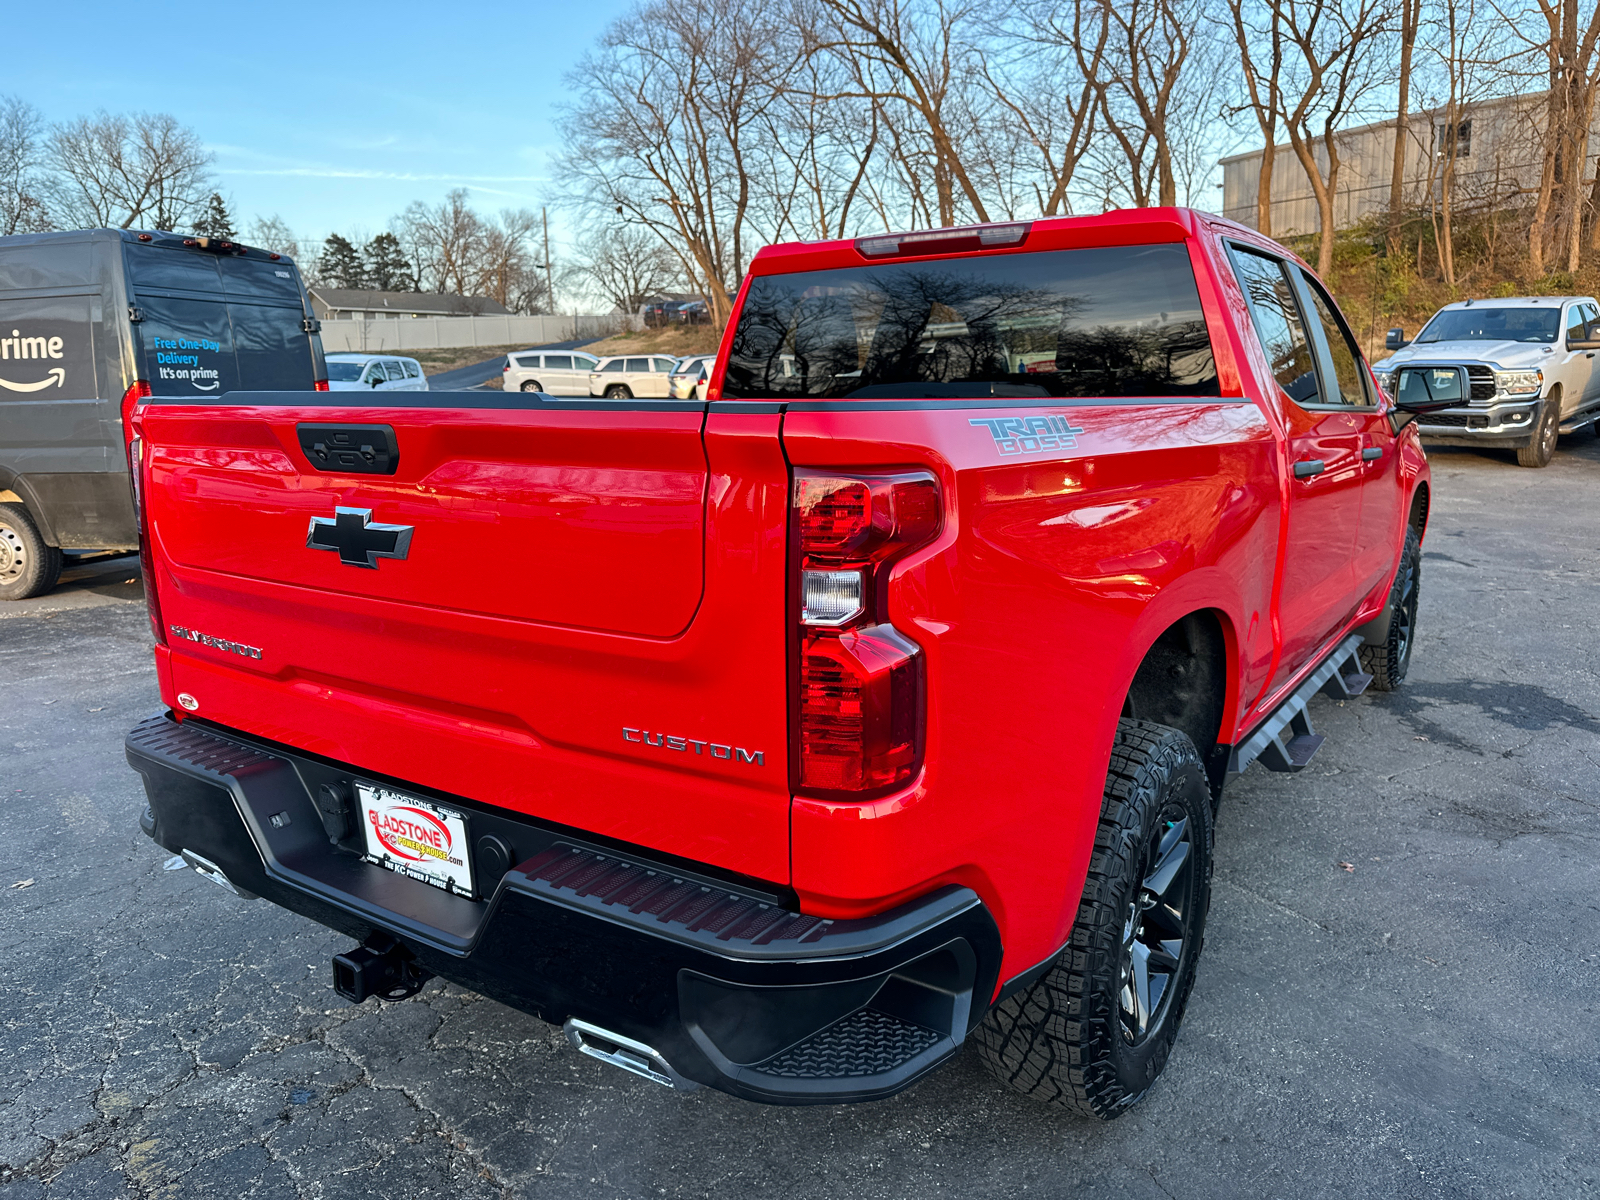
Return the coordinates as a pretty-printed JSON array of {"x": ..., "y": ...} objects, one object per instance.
[{"x": 361, "y": 304}]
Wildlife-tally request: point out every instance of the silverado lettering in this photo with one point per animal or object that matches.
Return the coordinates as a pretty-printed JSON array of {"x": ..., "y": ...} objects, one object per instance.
[{"x": 1004, "y": 671}]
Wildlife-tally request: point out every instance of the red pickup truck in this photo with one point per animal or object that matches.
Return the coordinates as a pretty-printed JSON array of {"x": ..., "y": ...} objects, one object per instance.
[{"x": 779, "y": 741}]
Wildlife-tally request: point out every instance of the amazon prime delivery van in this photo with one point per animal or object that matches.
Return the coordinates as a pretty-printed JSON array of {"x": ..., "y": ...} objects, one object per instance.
[{"x": 91, "y": 322}]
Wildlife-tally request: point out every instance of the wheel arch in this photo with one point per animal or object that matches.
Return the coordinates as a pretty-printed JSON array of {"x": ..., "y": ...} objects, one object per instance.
[
  {"x": 1417, "y": 518},
  {"x": 15, "y": 489},
  {"x": 1185, "y": 681}
]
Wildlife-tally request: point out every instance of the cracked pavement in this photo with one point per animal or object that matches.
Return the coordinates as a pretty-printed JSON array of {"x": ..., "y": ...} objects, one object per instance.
[{"x": 1425, "y": 1025}]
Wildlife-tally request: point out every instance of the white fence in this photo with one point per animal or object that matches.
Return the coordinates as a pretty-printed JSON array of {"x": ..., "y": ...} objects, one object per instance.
[{"x": 430, "y": 333}]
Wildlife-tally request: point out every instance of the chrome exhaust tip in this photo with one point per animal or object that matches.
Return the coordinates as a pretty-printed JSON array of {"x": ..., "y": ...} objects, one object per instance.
[
  {"x": 209, "y": 870},
  {"x": 626, "y": 1053}
]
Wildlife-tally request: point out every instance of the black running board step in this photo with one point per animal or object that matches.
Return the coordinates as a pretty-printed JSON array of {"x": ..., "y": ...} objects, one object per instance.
[{"x": 1285, "y": 741}]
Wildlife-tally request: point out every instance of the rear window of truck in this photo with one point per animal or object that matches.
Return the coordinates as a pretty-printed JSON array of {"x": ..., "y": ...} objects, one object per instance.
[{"x": 1101, "y": 322}]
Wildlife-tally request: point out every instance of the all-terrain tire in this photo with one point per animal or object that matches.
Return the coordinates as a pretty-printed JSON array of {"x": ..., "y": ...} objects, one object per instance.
[
  {"x": 618, "y": 391},
  {"x": 1389, "y": 660},
  {"x": 1070, "y": 1039},
  {"x": 1542, "y": 447},
  {"x": 530, "y": 385},
  {"x": 28, "y": 567}
]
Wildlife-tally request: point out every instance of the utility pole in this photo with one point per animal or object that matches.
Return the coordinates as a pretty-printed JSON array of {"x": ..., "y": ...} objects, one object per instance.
[{"x": 549, "y": 269}]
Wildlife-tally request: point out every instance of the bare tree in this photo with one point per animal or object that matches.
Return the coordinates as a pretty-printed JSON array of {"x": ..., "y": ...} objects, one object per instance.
[
  {"x": 1330, "y": 67},
  {"x": 915, "y": 56},
  {"x": 1045, "y": 75},
  {"x": 1149, "y": 48},
  {"x": 121, "y": 171},
  {"x": 1569, "y": 50},
  {"x": 625, "y": 264},
  {"x": 273, "y": 234},
  {"x": 1410, "y": 17},
  {"x": 444, "y": 241},
  {"x": 669, "y": 127},
  {"x": 1260, "y": 40},
  {"x": 21, "y": 167}
]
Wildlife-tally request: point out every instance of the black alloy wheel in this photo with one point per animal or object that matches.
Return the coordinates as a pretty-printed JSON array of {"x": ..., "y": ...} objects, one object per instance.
[
  {"x": 1093, "y": 1033},
  {"x": 1156, "y": 932},
  {"x": 1388, "y": 660}
]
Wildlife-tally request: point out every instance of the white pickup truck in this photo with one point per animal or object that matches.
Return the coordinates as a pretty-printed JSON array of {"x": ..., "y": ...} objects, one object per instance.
[{"x": 1523, "y": 368}]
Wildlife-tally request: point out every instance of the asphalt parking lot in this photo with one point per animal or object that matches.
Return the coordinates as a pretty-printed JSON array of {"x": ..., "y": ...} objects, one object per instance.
[{"x": 1400, "y": 994}]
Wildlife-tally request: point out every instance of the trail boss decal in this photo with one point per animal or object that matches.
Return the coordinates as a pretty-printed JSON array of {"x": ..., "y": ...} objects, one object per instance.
[
  {"x": 20, "y": 346},
  {"x": 666, "y": 741},
  {"x": 415, "y": 838},
  {"x": 1029, "y": 435}
]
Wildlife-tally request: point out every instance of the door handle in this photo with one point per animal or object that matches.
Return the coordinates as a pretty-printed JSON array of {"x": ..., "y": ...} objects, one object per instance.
[
  {"x": 1371, "y": 453},
  {"x": 1308, "y": 467}
]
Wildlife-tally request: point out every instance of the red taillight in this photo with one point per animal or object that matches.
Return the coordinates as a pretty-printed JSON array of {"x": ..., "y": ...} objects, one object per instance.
[
  {"x": 859, "y": 716},
  {"x": 130, "y": 401},
  {"x": 320, "y": 385},
  {"x": 861, "y": 710}
]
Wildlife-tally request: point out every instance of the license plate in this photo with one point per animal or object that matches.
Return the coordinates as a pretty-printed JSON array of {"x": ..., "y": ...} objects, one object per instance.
[{"x": 416, "y": 838}]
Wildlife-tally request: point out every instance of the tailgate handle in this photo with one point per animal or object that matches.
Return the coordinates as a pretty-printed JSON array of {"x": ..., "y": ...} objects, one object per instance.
[{"x": 350, "y": 449}]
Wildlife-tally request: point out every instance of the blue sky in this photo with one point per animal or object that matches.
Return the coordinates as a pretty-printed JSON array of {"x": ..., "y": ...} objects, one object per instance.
[{"x": 333, "y": 116}]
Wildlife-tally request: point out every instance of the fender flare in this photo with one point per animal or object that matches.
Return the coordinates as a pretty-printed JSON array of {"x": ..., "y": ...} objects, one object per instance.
[{"x": 15, "y": 489}]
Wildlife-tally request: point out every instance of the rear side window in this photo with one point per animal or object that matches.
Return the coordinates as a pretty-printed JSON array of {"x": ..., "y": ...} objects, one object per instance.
[
  {"x": 1278, "y": 324},
  {"x": 614, "y": 365},
  {"x": 528, "y": 362},
  {"x": 584, "y": 363},
  {"x": 1342, "y": 349},
  {"x": 395, "y": 370},
  {"x": 638, "y": 364},
  {"x": 558, "y": 362},
  {"x": 661, "y": 364},
  {"x": 1113, "y": 321},
  {"x": 413, "y": 370}
]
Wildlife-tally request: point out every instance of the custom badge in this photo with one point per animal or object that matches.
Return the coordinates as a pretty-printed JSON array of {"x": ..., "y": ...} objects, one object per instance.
[{"x": 1029, "y": 435}]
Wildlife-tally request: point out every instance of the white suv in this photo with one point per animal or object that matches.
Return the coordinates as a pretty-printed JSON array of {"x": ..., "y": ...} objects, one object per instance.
[
  {"x": 375, "y": 372},
  {"x": 690, "y": 376},
  {"x": 553, "y": 372},
  {"x": 631, "y": 375}
]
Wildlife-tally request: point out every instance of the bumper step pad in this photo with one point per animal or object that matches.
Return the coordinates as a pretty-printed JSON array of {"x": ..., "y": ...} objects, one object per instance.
[{"x": 720, "y": 979}]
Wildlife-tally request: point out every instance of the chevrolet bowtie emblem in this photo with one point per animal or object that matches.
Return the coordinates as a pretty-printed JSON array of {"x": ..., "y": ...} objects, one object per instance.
[{"x": 360, "y": 541}]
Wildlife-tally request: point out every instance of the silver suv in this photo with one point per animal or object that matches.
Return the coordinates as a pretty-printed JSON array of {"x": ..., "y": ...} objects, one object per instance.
[{"x": 1524, "y": 370}]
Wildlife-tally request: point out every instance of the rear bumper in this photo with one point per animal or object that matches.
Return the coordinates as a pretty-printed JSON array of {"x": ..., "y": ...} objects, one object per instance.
[{"x": 732, "y": 987}]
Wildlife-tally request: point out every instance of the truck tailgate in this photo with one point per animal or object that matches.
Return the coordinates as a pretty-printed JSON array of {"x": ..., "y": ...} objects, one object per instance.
[{"x": 541, "y": 637}]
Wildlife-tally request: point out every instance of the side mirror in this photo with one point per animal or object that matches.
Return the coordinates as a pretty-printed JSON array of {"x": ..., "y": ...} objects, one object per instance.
[
  {"x": 1395, "y": 339},
  {"x": 1430, "y": 389},
  {"x": 374, "y": 382}
]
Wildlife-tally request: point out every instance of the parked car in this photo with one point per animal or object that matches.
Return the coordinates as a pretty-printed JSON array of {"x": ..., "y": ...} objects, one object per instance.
[
  {"x": 626, "y": 376},
  {"x": 375, "y": 372},
  {"x": 91, "y": 321},
  {"x": 791, "y": 744},
  {"x": 690, "y": 376},
  {"x": 693, "y": 312},
  {"x": 554, "y": 372},
  {"x": 1520, "y": 372}
]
